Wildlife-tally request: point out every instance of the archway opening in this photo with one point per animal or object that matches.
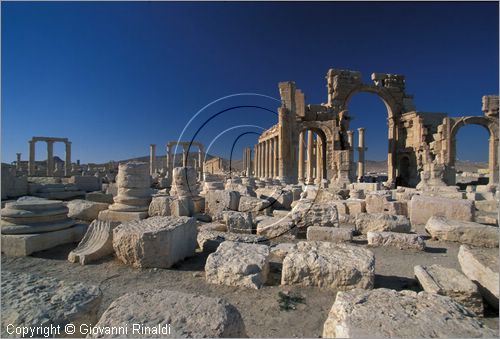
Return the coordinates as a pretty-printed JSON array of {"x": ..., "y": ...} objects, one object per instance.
[
  {"x": 471, "y": 155},
  {"x": 369, "y": 111}
]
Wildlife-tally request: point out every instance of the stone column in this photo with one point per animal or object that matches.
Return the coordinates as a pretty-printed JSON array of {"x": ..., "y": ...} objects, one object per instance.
[
  {"x": 301, "y": 157},
  {"x": 184, "y": 156},
  {"x": 31, "y": 161},
  {"x": 270, "y": 161},
  {"x": 275, "y": 157},
  {"x": 167, "y": 161},
  {"x": 152, "y": 159},
  {"x": 493, "y": 161},
  {"x": 50, "y": 158},
  {"x": 266, "y": 159},
  {"x": 391, "y": 156},
  {"x": 256, "y": 161},
  {"x": 249, "y": 162},
  {"x": 361, "y": 153},
  {"x": 310, "y": 165},
  {"x": 201, "y": 162},
  {"x": 18, "y": 161},
  {"x": 67, "y": 162},
  {"x": 319, "y": 161},
  {"x": 350, "y": 141}
]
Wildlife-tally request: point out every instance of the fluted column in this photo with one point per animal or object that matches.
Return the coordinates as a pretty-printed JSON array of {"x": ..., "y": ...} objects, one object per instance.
[
  {"x": 200, "y": 163},
  {"x": 50, "y": 158},
  {"x": 249, "y": 162},
  {"x": 270, "y": 158},
  {"x": 167, "y": 161},
  {"x": 310, "y": 164},
  {"x": 67, "y": 163},
  {"x": 361, "y": 153},
  {"x": 319, "y": 161},
  {"x": 31, "y": 160},
  {"x": 275, "y": 157},
  {"x": 184, "y": 157},
  {"x": 265, "y": 159},
  {"x": 152, "y": 159},
  {"x": 301, "y": 157},
  {"x": 351, "y": 154}
]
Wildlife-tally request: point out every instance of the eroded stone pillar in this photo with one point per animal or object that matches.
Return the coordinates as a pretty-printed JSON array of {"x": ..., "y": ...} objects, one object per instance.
[
  {"x": 361, "y": 153},
  {"x": 167, "y": 161},
  {"x": 18, "y": 161},
  {"x": 275, "y": 157},
  {"x": 350, "y": 141},
  {"x": 31, "y": 160},
  {"x": 50, "y": 158},
  {"x": 266, "y": 158},
  {"x": 319, "y": 161},
  {"x": 270, "y": 161},
  {"x": 310, "y": 164},
  {"x": 249, "y": 162},
  {"x": 67, "y": 163},
  {"x": 301, "y": 157},
  {"x": 184, "y": 156},
  {"x": 152, "y": 159},
  {"x": 493, "y": 161}
]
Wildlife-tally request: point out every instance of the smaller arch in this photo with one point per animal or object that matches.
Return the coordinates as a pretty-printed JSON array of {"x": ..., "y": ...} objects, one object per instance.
[{"x": 390, "y": 103}]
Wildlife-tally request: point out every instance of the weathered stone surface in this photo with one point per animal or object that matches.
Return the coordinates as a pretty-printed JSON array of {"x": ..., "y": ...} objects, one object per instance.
[
  {"x": 487, "y": 206},
  {"x": 466, "y": 232},
  {"x": 355, "y": 206},
  {"x": 421, "y": 208},
  {"x": 160, "y": 206},
  {"x": 96, "y": 243},
  {"x": 118, "y": 216},
  {"x": 184, "y": 182},
  {"x": 309, "y": 213},
  {"x": 218, "y": 201},
  {"x": 31, "y": 301},
  {"x": 134, "y": 192},
  {"x": 385, "y": 313},
  {"x": 325, "y": 264},
  {"x": 273, "y": 227},
  {"x": 26, "y": 244},
  {"x": 402, "y": 241},
  {"x": 381, "y": 222},
  {"x": 213, "y": 226},
  {"x": 376, "y": 201},
  {"x": 279, "y": 251},
  {"x": 85, "y": 210},
  {"x": 238, "y": 264},
  {"x": 99, "y": 197},
  {"x": 155, "y": 242},
  {"x": 481, "y": 266},
  {"x": 254, "y": 205},
  {"x": 86, "y": 183},
  {"x": 450, "y": 282},
  {"x": 331, "y": 234},
  {"x": 238, "y": 222},
  {"x": 278, "y": 198},
  {"x": 189, "y": 315},
  {"x": 209, "y": 241}
]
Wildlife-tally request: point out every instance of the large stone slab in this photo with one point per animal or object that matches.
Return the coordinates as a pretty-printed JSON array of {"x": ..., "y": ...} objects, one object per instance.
[
  {"x": 255, "y": 206},
  {"x": 310, "y": 213},
  {"x": 209, "y": 240},
  {"x": 331, "y": 234},
  {"x": 273, "y": 227},
  {"x": 381, "y": 222},
  {"x": 96, "y": 243},
  {"x": 238, "y": 222},
  {"x": 85, "y": 210},
  {"x": 466, "y": 232},
  {"x": 402, "y": 241},
  {"x": 117, "y": 216},
  {"x": 155, "y": 242},
  {"x": 180, "y": 315},
  {"x": 238, "y": 264},
  {"x": 278, "y": 198},
  {"x": 481, "y": 266},
  {"x": 330, "y": 265},
  {"x": 450, "y": 282},
  {"x": 385, "y": 313},
  {"x": 160, "y": 206},
  {"x": 33, "y": 301},
  {"x": 99, "y": 197},
  {"x": 26, "y": 244},
  {"x": 421, "y": 208},
  {"x": 220, "y": 200},
  {"x": 86, "y": 183}
]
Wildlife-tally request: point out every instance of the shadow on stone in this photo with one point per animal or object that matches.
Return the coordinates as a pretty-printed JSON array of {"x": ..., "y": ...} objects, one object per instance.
[{"x": 396, "y": 283}]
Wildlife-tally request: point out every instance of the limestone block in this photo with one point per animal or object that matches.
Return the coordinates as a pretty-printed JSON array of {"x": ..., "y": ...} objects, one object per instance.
[
  {"x": 481, "y": 266},
  {"x": 330, "y": 265},
  {"x": 238, "y": 222},
  {"x": 155, "y": 242},
  {"x": 403, "y": 314},
  {"x": 182, "y": 207},
  {"x": 25, "y": 244},
  {"x": 255, "y": 206},
  {"x": 184, "y": 182},
  {"x": 117, "y": 216},
  {"x": 86, "y": 183},
  {"x": 280, "y": 251},
  {"x": 185, "y": 315},
  {"x": 278, "y": 198},
  {"x": 331, "y": 234},
  {"x": 219, "y": 200},
  {"x": 238, "y": 264},
  {"x": 209, "y": 240},
  {"x": 198, "y": 204},
  {"x": 243, "y": 190},
  {"x": 31, "y": 301},
  {"x": 99, "y": 197},
  {"x": 421, "y": 208},
  {"x": 85, "y": 210},
  {"x": 213, "y": 226},
  {"x": 490, "y": 206},
  {"x": 396, "y": 208},
  {"x": 400, "y": 240},
  {"x": 452, "y": 283},
  {"x": 273, "y": 227},
  {"x": 13, "y": 186},
  {"x": 96, "y": 243},
  {"x": 465, "y": 232},
  {"x": 160, "y": 206},
  {"x": 308, "y": 213},
  {"x": 375, "y": 201},
  {"x": 381, "y": 222},
  {"x": 355, "y": 206}
]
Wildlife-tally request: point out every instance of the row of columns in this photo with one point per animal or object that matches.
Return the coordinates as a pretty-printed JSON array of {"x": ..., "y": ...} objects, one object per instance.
[
  {"x": 170, "y": 159},
  {"x": 266, "y": 158},
  {"x": 314, "y": 171},
  {"x": 247, "y": 161},
  {"x": 50, "y": 157},
  {"x": 361, "y": 153}
]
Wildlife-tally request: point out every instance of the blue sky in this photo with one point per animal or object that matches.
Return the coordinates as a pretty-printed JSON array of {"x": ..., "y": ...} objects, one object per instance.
[{"x": 115, "y": 77}]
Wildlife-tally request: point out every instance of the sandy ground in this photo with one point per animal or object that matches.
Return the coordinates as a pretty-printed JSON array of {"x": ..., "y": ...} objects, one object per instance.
[{"x": 259, "y": 308}]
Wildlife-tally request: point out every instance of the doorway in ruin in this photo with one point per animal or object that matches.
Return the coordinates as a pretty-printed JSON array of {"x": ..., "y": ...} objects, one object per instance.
[
  {"x": 370, "y": 111},
  {"x": 312, "y": 156},
  {"x": 469, "y": 152},
  {"x": 403, "y": 178}
]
